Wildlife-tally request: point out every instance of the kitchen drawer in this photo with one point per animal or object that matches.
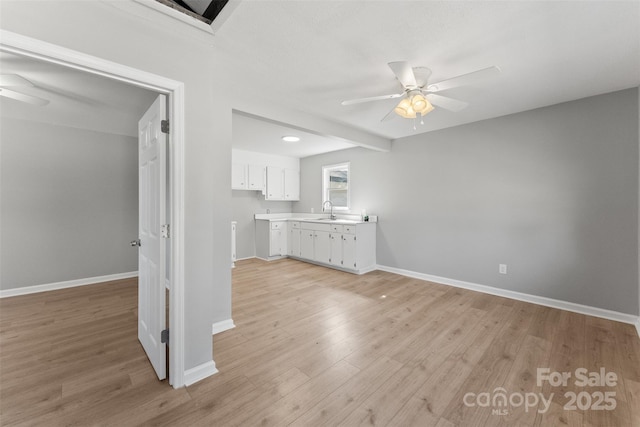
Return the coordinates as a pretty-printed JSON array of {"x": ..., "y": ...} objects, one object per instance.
[
  {"x": 349, "y": 229},
  {"x": 315, "y": 226},
  {"x": 336, "y": 228},
  {"x": 280, "y": 225},
  {"x": 295, "y": 224}
]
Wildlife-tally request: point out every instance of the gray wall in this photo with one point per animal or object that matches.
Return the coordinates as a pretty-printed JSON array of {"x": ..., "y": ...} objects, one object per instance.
[
  {"x": 552, "y": 193},
  {"x": 244, "y": 204},
  {"x": 165, "y": 47},
  {"x": 68, "y": 204}
]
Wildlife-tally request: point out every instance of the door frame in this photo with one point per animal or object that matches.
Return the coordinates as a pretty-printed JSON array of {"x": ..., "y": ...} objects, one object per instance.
[{"x": 44, "y": 51}]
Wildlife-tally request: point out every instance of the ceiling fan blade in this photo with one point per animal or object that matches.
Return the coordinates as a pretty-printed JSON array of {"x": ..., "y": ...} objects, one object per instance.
[
  {"x": 464, "y": 79},
  {"x": 390, "y": 115},
  {"x": 404, "y": 73},
  {"x": 422, "y": 75},
  {"x": 34, "y": 100},
  {"x": 446, "y": 102},
  {"x": 373, "y": 98},
  {"x": 13, "y": 80}
]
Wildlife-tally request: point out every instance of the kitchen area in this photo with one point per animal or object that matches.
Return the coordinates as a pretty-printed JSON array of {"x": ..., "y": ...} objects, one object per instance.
[{"x": 268, "y": 220}]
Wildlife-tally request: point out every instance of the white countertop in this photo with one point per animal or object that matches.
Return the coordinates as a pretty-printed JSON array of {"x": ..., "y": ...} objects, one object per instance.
[{"x": 319, "y": 218}]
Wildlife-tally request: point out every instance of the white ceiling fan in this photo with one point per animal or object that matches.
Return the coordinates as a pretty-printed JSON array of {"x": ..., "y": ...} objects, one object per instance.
[
  {"x": 15, "y": 82},
  {"x": 419, "y": 95}
]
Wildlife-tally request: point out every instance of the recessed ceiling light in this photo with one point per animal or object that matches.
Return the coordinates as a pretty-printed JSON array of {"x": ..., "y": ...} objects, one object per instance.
[{"x": 290, "y": 138}]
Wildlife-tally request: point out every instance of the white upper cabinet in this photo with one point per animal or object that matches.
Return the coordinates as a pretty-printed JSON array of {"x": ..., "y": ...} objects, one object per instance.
[
  {"x": 238, "y": 176},
  {"x": 257, "y": 177},
  {"x": 277, "y": 177},
  {"x": 291, "y": 184},
  {"x": 275, "y": 183},
  {"x": 282, "y": 184}
]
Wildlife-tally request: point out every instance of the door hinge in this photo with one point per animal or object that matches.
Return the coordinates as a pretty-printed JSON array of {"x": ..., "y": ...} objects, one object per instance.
[
  {"x": 164, "y": 231},
  {"x": 164, "y": 126},
  {"x": 164, "y": 336}
]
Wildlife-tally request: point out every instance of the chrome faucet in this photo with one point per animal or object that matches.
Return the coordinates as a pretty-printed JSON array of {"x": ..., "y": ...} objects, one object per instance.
[{"x": 330, "y": 205}]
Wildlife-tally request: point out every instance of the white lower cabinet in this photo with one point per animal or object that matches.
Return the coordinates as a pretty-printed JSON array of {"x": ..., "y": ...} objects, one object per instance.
[
  {"x": 344, "y": 251},
  {"x": 336, "y": 249},
  {"x": 293, "y": 243},
  {"x": 278, "y": 239},
  {"x": 321, "y": 247},
  {"x": 347, "y": 247},
  {"x": 271, "y": 239},
  {"x": 350, "y": 248},
  {"x": 306, "y": 244},
  {"x": 349, "y": 251},
  {"x": 315, "y": 243},
  {"x": 344, "y": 248}
]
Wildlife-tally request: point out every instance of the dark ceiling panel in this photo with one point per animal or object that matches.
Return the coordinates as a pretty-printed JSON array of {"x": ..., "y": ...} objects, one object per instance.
[{"x": 214, "y": 9}]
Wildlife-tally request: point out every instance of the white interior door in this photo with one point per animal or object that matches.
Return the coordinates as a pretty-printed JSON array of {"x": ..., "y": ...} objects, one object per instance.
[{"x": 152, "y": 168}]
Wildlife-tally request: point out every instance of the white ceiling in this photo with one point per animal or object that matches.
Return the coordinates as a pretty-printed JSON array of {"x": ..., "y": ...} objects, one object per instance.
[
  {"x": 262, "y": 136},
  {"x": 307, "y": 56},
  {"x": 310, "y": 55},
  {"x": 76, "y": 99}
]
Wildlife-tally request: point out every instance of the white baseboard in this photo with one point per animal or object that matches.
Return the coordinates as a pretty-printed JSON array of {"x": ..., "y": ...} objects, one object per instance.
[
  {"x": 368, "y": 269},
  {"x": 534, "y": 299},
  {"x": 200, "y": 372},
  {"x": 222, "y": 326},
  {"x": 242, "y": 259},
  {"x": 67, "y": 284}
]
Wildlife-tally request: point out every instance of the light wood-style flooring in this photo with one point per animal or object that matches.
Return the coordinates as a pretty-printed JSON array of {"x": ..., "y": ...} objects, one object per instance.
[{"x": 312, "y": 347}]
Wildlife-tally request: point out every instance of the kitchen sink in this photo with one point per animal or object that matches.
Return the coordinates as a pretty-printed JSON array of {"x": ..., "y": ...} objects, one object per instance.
[{"x": 343, "y": 221}]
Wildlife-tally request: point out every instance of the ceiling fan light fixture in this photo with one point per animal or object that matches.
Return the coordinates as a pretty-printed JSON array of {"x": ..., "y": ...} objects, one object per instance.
[
  {"x": 409, "y": 107},
  {"x": 426, "y": 109},
  {"x": 418, "y": 102},
  {"x": 404, "y": 109}
]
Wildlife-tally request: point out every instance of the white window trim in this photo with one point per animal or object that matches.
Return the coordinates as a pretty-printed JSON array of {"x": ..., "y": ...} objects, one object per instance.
[{"x": 325, "y": 170}]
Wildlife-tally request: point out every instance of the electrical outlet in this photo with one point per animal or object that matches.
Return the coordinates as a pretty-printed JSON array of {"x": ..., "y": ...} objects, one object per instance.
[
  {"x": 312, "y": 210},
  {"x": 502, "y": 268}
]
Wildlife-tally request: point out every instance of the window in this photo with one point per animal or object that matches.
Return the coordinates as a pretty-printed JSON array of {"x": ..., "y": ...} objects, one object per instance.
[{"x": 335, "y": 185}]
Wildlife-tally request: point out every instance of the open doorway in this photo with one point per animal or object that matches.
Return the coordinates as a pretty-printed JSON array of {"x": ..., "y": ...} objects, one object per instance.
[{"x": 90, "y": 68}]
